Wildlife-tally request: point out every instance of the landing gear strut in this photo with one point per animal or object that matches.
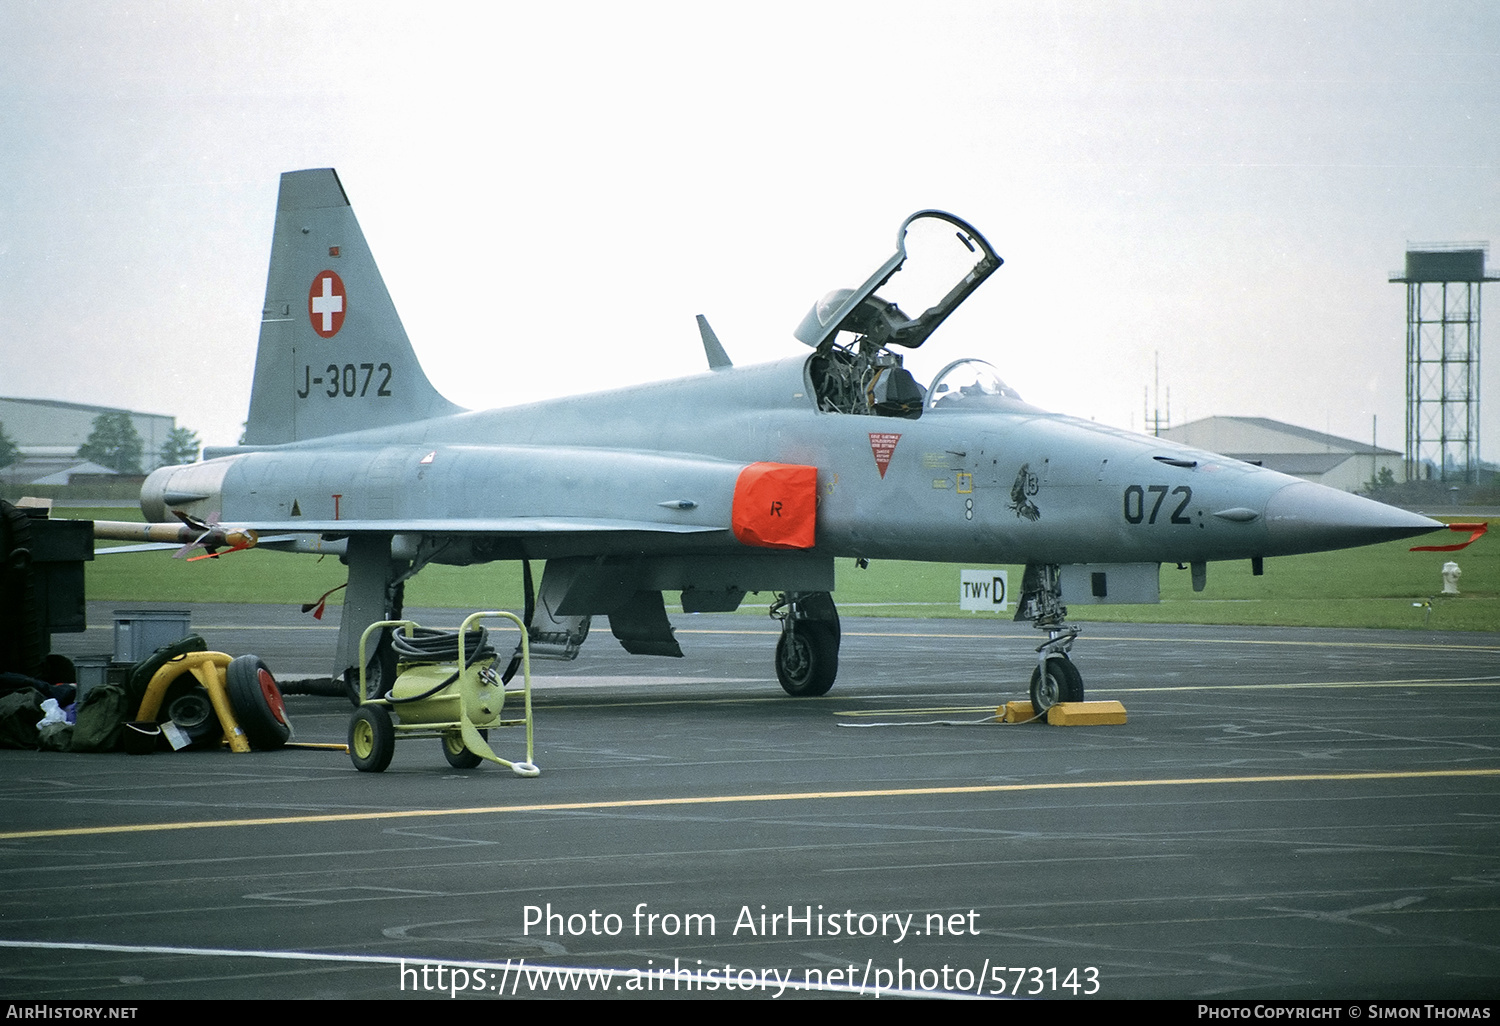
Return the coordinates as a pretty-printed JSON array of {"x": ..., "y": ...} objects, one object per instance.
[
  {"x": 375, "y": 592},
  {"x": 1055, "y": 678},
  {"x": 807, "y": 654}
]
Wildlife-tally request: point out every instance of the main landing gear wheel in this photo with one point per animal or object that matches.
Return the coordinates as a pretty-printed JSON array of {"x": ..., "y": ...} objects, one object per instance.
[
  {"x": 372, "y": 739},
  {"x": 458, "y": 756},
  {"x": 1063, "y": 683},
  {"x": 807, "y": 659},
  {"x": 257, "y": 703},
  {"x": 379, "y": 674}
]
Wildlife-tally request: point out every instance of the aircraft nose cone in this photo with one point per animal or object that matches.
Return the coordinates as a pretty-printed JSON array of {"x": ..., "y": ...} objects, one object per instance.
[{"x": 1307, "y": 517}]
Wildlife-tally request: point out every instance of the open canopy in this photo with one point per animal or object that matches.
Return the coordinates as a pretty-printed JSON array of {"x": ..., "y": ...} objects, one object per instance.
[{"x": 954, "y": 259}]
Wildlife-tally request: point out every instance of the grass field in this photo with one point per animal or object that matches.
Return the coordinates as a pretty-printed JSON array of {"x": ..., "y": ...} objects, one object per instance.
[{"x": 1374, "y": 586}]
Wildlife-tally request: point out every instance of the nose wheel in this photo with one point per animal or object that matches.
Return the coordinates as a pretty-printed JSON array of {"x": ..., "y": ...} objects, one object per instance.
[
  {"x": 1055, "y": 678},
  {"x": 1059, "y": 682}
]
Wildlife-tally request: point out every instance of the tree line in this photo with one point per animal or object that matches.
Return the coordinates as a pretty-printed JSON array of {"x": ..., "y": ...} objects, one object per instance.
[{"x": 115, "y": 443}]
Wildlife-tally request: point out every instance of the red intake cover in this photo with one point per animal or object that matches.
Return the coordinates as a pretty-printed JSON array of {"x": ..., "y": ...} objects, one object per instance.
[{"x": 776, "y": 506}]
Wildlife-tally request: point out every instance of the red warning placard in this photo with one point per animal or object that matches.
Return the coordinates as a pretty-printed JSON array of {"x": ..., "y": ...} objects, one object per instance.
[
  {"x": 776, "y": 506},
  {"x": 883, "y": 445}
]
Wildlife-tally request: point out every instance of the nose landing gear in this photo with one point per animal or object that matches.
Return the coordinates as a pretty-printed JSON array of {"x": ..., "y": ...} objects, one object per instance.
[{"x": 1055, "y": 679}]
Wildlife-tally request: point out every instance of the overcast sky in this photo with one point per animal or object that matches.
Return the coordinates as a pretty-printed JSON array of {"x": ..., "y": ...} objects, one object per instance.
[{"x": 554, "y": 190}]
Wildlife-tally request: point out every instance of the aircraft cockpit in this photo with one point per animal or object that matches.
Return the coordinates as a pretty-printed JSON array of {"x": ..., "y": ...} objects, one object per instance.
[
  {"x": 854, "y": 370},
  {"x": 969, "y": 385}
]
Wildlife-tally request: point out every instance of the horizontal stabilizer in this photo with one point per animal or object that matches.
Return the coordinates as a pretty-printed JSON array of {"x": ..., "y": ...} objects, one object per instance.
[{"x": 117, "y": 550}]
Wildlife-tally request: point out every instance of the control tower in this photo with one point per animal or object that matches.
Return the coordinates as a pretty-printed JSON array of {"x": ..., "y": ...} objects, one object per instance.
[{"x": 1442, "y": 360}]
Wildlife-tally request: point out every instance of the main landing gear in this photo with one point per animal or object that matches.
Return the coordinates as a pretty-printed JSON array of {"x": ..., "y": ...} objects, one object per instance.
[
  {"x": 1055, "y": 679},
  {"x": 807, "y": 654}
]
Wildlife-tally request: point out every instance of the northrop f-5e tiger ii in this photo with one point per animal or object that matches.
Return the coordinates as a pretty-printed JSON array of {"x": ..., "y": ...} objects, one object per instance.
[{"x": 732, "y": 481}]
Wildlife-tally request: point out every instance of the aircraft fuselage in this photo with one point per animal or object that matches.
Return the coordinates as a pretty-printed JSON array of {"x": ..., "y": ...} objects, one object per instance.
[{"x": 1010, "y": 485}]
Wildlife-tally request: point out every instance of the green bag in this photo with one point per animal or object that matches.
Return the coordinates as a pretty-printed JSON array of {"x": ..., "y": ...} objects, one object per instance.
[
  {"x": 19, "y": 712},
  {"x": 55, "y": 737},
  {"x": 101, "y": 719}
]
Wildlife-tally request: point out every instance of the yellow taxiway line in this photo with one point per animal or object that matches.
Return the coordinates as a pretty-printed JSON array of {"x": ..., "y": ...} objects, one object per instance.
[{"x": 730, "y": 799}]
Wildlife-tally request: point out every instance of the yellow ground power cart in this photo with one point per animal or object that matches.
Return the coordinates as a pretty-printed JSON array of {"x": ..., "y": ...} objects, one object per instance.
[{"x": 439, "y": 684}]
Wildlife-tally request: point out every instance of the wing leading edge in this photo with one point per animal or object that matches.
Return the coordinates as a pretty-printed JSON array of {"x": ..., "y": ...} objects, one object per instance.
[{"x": 495, "y": 492}]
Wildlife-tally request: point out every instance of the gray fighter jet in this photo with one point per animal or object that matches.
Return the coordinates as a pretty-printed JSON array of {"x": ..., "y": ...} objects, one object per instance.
[{"x": 732, "y": 481}]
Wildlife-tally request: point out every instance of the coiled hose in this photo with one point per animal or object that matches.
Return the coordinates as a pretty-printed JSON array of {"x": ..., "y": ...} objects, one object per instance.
[{"x": 431, "y": 645}]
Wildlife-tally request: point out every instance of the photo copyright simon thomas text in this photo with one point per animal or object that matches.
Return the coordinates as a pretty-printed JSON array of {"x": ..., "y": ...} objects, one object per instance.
[{"x": 1283, "y": 1011}]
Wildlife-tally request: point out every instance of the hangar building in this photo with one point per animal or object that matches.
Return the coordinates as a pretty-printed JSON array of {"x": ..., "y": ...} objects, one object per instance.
[
  {"x": 49, "y": 432},
  {"x": 1300, "y": 452}
]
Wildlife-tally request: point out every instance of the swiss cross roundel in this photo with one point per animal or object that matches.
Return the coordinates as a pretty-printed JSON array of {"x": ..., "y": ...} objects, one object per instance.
[{"x": 326, "y": 304}]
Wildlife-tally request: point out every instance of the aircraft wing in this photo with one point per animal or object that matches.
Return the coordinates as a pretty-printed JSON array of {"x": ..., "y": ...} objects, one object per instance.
[
  {"x": 552, "y": 498},
  {"x": 475, "y": 525}
]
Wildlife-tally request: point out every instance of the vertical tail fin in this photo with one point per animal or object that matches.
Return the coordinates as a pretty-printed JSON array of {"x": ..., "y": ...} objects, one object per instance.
[{"x": 333, "y": 355}]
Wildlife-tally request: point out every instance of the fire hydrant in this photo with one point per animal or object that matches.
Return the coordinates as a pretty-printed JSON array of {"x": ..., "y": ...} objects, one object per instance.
[{"x": 1451, "y": 574}]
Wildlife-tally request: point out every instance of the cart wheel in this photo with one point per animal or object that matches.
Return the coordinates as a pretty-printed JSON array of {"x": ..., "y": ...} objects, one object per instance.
[
  {"x": 457, "y": 755},
  {"x": 257, "y": 704},
  {"x": 372, "y": 739}
]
